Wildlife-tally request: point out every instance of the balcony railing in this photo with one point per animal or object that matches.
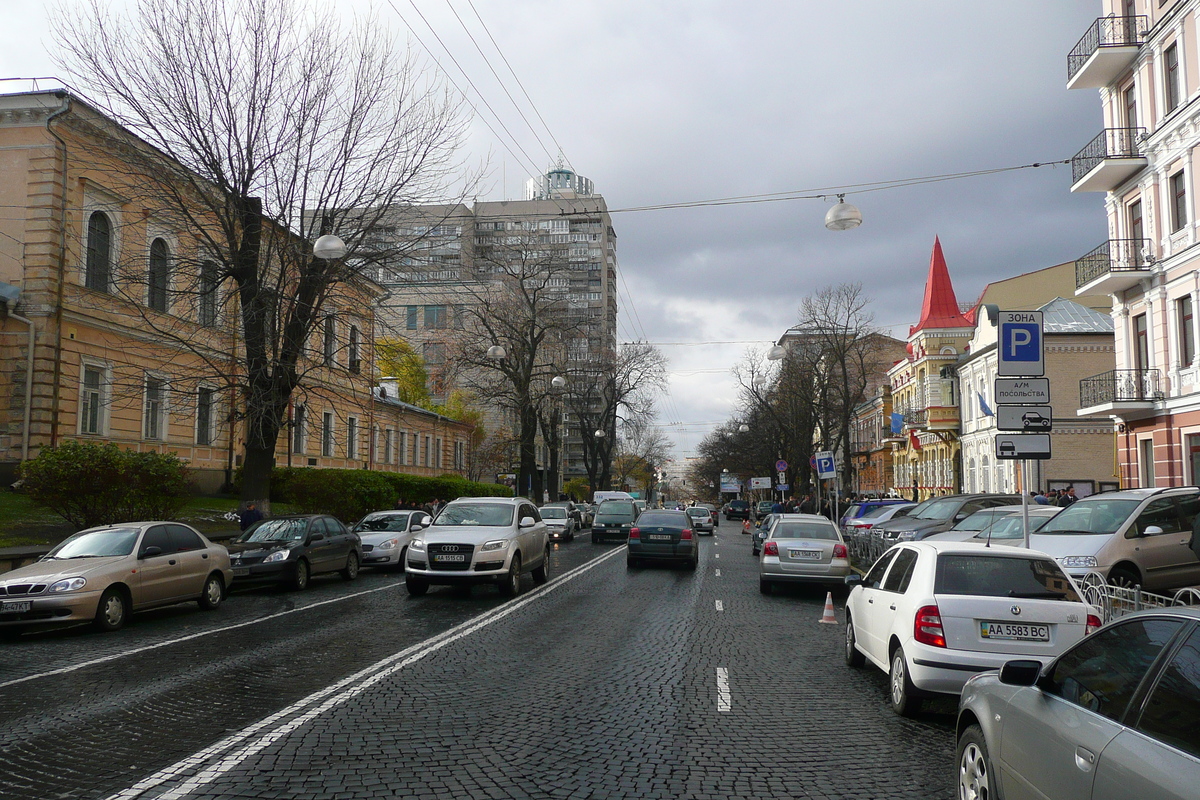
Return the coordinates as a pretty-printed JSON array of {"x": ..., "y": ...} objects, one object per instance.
[
  {"x": 916, "y": 418},
  {"x": 1120, "y": 386},
  {"x": 1106, "y": 32},
  {"x": 1115, "y": 255},
  {"x": 1110, "y": 143}
]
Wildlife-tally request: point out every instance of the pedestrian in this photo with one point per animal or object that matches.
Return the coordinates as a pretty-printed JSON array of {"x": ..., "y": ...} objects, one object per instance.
[
  {"x": 249, "y": 515},
  {"x": 1068, "y": 498},
  {"x": 1039, "y": 497},
  {"x": 777, "y": 507},
  {"x": 806, "y": 505},
  {"x": 400, "y": 503}
]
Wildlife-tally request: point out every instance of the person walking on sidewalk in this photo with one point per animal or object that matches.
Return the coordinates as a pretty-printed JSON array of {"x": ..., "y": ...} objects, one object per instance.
[{"x": 248, "y": 516}]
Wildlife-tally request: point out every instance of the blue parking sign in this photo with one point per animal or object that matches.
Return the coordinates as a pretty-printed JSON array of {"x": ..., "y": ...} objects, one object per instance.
[{"x": 1020, "y": 344}]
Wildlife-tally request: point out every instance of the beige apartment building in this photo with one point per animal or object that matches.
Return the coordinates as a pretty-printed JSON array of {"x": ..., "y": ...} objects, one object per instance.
[{"x": 114, "y": 330}]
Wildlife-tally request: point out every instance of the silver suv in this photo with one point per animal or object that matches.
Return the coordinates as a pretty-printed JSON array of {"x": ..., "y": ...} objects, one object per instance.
[
  {"x": 1136, "y": 537},
  {"x": 480, "y": 540}
]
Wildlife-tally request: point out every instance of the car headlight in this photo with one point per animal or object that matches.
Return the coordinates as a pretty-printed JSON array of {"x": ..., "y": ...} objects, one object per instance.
[
  {"x": 906, "y": 536},
  {"x": 388, "y": 545},
  {"x": 499, "y": 544},
  {"x": 68, "y": 585},
  {"x": 1078, "y": 561},
  {"x": 417, "y": 544},
  {"x": 278, "y": 555}
]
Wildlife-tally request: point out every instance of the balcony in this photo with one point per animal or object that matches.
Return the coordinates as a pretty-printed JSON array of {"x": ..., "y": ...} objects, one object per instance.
[
  {"x": 1112, "y": 267},
  {"x": 1109, "y": 160},
  {"x": 1123, "y": 392},
  {"x": 915, "y": 418},
  {"x": 1107, "y": 49}
]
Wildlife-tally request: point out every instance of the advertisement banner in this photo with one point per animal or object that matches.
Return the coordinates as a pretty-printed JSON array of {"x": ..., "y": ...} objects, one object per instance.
[
  {"x": 730, "y": 483},
  {"x": 760, "y": 483}
]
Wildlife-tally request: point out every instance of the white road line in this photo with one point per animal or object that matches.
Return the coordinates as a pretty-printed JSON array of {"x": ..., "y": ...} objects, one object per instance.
[
  {"x": 718, "y": 573},
  {"x": 716, "y": 555},
  {"x": 723, "y": 700},
  {"x": 720, "y": 606},
  {"x": 327, "y": 698},
  {"x": 93, "y": 662}
]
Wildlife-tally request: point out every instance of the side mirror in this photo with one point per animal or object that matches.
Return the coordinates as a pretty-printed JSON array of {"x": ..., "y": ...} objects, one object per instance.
[
  {"x": 853, "y": 579},
  {"x": 960, "y": 516},
  {"x": 1152, "y": 530},
  {"x": 316, "y": 537},
  {"x": 150, "y": 552},
  {"x": 421, "y": 524},
  {"x": 1020, "y": 673},
  {"x": 528, "y": 522}
]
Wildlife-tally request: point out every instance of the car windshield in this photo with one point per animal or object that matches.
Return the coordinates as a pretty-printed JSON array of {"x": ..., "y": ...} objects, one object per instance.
[
  {"x": 878, "y": 511},
  {"x": 1012, "y": 527},
  {"x": 95, "y": 544},
  {"x": 383, "y": 522},
  {"x": 1098, "y": 516},
  {"x": 487, "y": 515},
  {"x": 942, "y": 508},
  {"x": 554, "y": 512},
  {"x": 616, "y": 508},
  {"x": 277, "y": 530},
  {"x": 665, "y": 519},
  {"x": 980, "y": 520},
  {"x": 804, "y": 530},
  {"x": 997, "y": 575}
]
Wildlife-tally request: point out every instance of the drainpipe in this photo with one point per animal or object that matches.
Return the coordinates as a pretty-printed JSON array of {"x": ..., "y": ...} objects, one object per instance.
[
  {"x": 62, "y": 274},
  {"x": 28, "y": 383}
]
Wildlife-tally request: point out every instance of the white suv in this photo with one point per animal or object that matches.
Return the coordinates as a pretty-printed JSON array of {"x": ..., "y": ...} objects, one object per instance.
[{"x": 480, "y": 540}]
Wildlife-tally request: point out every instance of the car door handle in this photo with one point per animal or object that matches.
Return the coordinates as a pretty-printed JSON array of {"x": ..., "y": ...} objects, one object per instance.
[
  {"x": 892, "y": 606},
  {"x": 1084, "y": 759},
  {"x": 172, "y": 562},
  {"x": 204, "y": 555},
  {"x": 870, "y": 599}
]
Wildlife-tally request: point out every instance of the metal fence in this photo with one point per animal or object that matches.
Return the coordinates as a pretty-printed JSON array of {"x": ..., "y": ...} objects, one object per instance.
[
  {"x": 865, "y": 547},
  {"x": 1117, "y": 601}
]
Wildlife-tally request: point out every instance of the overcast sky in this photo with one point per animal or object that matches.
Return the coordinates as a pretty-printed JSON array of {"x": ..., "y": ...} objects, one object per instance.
[{"x": 663, "y": 100}]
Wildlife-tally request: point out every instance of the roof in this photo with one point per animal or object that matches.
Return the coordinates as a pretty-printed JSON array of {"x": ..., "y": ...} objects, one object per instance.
[
  {"x": 1066, "y": 316},
  {"x": 940, "y": 306}
]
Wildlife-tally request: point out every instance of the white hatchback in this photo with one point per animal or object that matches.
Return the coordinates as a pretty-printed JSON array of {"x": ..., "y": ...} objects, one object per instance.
[{"x": 932, "y": 614}]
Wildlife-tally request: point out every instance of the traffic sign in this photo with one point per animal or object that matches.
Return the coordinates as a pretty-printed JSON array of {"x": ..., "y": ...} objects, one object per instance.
[
  {"x": 781, "y": 465},
  {"x": 1024, "y": 419},
  {"x": 826, "y": 467},
  {"x": 1022, "y": 391},
  {"x": 781, "y": 476},
  {"x": 783, "y": 487},
  {"x": 1012, "y": 446},
  {"x": 1020, "y": 344},
  {"x": 760, "y": 483}
]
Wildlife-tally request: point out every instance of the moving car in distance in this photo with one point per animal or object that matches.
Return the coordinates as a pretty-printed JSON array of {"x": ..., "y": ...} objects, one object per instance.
[
  {"x": 802, "y": 548},
  {"x": 614, "y": 518},
  {"x": 931, "y": 614},
  {"x": 663, "y": 536},
  {"x": 102, "y": 575},
  {"x": 385, "y": 536},
  {"x": 714, "y": 513},
  {"x": 1112, "y": 717},
  {"x": 560, "y": 526},
  {"x": 702, "y": 520},
  {"x": 290, "y": 550},
  {"x": 480, "y": 540},
  {"x": 763, "y": 507},
  {"x": 737, "y": 509}
]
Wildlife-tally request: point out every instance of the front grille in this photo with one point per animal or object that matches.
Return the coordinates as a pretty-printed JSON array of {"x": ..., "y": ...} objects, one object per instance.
[
  {"x": 417, "y": 564},
  {"x": 22, "y": 589},
  {"x": 368, "y": 548},
  {"x": 484, "y": 566},
  {"x": 464, "y": 550}
]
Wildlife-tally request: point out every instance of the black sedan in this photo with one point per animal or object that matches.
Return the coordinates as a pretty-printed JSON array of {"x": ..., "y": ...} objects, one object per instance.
[
  {"x": 290, "y": 550},
  {"x": 663, "y": 536}
]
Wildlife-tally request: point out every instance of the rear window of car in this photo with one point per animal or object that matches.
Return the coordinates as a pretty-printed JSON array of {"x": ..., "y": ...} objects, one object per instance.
[
  {"x": 804, "y": 530},
  {"x": 739, "y": 504},
  {"x": 987, "y": 575},
  {"x": 663, "y": 518},
  {"x": 697, "y": 512},
  {"x": 554, "y": 512}
]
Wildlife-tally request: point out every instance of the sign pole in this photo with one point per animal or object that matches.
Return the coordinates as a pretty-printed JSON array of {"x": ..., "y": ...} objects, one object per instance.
[{"x": 1025, "y": 499}]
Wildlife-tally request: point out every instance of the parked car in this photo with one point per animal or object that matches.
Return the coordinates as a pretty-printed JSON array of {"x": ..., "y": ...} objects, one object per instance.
[
  {"x": 104, "y": 574},
  {"x": 573, "y": 511},
  {"x": 931, "y": 614},
  {"x": 802, "y": 548},
  {"x": 939, "y": 514},
  {"x": 1006, "y": 530},
  {"x": 290, "y": 550},
  {"x": 587, "y": 513},
  {"x": 663, "y": 536},
  {"x": 1134, "y": 537},
  {"x": 1112, "y": 717},
  {"x": 702, "y": 519},
  {"x": 737, "y": 509},
  {"x": 480, "y": 540},
  {"x": 385, "y": 535},
  {"x": 614, "y": 518},
  {"x": 640, "y": 505},
  {"x": 763, "y": 507},
  {"x": 559, "y": 522},
  {"x": 864, "y": 507},
  {"x": 758, "y": 533},
  {"x": 714, "y": 513},
  {"x": 967, "y": 528},
  {"x": 877, "y": 515}
]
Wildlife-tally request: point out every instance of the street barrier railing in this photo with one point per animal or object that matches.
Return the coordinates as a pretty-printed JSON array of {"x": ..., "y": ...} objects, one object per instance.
[{"x": 1114, "y": 602}]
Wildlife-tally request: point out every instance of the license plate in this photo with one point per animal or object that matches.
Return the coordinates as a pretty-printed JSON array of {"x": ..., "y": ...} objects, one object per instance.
[
  {"x": 1007, "y": 630},
  {"x": 442, "y": 557},
  {"x": 807, "y": 555},
  {"x": 240, "y": 571},
  {"x": 16, "y": 607},
  {"x": 659, "y": 537}
]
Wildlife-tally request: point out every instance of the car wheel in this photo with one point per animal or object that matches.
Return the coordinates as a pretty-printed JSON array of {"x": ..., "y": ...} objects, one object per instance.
[
  {"x": 350, "y": 572},
  {"x": 511, "y": 585},
  {"x": 416, "y": 586},
  {"x": 694, "y": 562},
  {"x": 1124, "y": 577},
  {"x": 764, "y": 586},
  {"x": 975, "y": 767},
  {"x": 300, "y": 577},
  {"x": 853, "y": 657},
  {"x": 113, "y": 610},
  {"x": 542, "y": 573},
  {"x": 403, "y": 559},
  {"x": 213, "y": 592},
  {"x": 903, "y": 700}
]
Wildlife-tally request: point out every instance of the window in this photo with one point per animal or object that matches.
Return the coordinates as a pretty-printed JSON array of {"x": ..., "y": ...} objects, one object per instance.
[
  {"x": 1172, "y": 77},
  {"x": 1163, "y": 513},
  {"x": 159, "y": 536},
  {"x": 435, "y": 316},
  {"x": 184, "y": 539},
  {"x": 204, "y": 415},
  {"x": 402, "y": 447},
  {"x": 410, "y": 315},
  {"x": 902, "y": 570},
  {"x": 1171, "y": 712},
  {"x": 355, "y": 364},
  {"x": 433, "y": 353},
  {"x": 875, "y": 577},
  {"x": 99, "y": 252},
  {"x": 1179, "y": 215},
  {"x": 460, "y": 316},
  {"x": 327, "y": 434},
  {"x": 1146, "y": 463},
  {"x": 93, "y": 390},
  {"x": 352, "y": 437},
  {"x": 298, "y": 438},
  {"x": 1136, "y": 232},
  {"x": 158, "y": 277},
  {"x": 388, "y": 443},
  {"x": 207, "y": 308},
  {"x": 1141, "y": 343},
  {"x": 1187, "y": 331},
  {"x": 329, "y": 342},
  {"x": 155, "y": 408},
  {"x": 437, "y": 450},
  {"x": 1130, "y": 98},
  {"x": 428, "y": 447}
]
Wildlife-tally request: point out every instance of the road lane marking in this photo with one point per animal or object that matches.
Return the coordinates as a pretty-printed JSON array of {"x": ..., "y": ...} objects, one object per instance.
[
  {"x": 716, "y": 555},
  {"x": 720, "y": 606},
  {"x": 325, "y": 699},
  {"x": 718, "y": 573},
  {"x": 723, "y": 700}
]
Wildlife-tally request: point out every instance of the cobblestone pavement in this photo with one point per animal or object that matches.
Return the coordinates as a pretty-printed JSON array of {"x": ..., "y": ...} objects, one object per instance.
[{"x": 606, "y": 683}]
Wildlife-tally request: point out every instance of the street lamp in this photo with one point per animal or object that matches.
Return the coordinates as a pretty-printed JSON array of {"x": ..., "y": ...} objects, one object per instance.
[
  {"x": 743, "y": 428},
  {"x": 843, "y": 216},
  {"x": 776, "y": 353},
  {"x": 600, "y": 434},
  {"x": 558, "y": 382},
  {"x": 496, "y": 351},
  {"x": 329, "y": 247}
]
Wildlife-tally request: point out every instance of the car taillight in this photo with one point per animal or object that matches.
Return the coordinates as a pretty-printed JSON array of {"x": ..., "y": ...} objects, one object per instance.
[
  {"x": 1093, "y": 624},
  {"x": 770, "y": 549},
  {"x": 927, "y": 627},
  {"x": 866, "y": 526},
  {"x": 635, "y": 533},
  {"x": 839, "y": 551},
  {"x": 687, "y": 533}
]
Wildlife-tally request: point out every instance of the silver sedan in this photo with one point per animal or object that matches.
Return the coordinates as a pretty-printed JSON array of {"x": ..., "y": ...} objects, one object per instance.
[
  {"x": 385, "y": 536},
  {"x": 802, "y": 548}
]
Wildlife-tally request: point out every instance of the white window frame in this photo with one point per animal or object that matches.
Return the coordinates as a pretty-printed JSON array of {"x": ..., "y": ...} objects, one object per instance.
[
  {"x": 97, "y": 199},
  {"x": 1146, "y": 478},
  {"x": 104, "y": 397},
  {"x": 164, "y": 417}
]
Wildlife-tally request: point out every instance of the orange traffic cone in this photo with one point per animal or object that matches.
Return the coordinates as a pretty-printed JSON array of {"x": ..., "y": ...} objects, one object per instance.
[{"x": 829, "y": 618}]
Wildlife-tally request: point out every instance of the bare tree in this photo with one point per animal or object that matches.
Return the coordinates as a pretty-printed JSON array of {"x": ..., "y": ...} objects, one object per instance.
[
  {"x": 269, "y": 124},
  {"x": 641, "y": 449}
]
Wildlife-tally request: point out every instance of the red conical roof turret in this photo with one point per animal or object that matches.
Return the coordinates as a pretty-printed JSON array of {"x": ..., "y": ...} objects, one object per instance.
[{"x": 940, "y": 308}]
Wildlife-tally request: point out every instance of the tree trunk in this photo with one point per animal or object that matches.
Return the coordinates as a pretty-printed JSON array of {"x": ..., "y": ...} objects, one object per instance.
[
  {"x": 256, "y": 477},
  {"x": 528, "y": 480}
]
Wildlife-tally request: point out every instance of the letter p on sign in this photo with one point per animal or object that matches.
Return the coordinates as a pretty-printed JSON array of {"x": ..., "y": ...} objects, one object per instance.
[{"x": 1021, "y": 344}]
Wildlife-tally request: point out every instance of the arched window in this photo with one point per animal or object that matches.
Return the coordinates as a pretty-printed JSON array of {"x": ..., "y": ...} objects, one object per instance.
[
  {"x": 971, "y": 475},
  {"x": 986, "y": 476},
  {"x": 159, "y": 276},
  {"x": 99, "y": 252}
]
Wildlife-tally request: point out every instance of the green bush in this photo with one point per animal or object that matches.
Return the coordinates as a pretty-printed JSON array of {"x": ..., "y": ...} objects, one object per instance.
[{"x": 90, "y": 484}]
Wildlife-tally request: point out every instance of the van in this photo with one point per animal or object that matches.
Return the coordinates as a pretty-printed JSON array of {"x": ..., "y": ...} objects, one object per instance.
[{"x": 600, "y": 497}]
